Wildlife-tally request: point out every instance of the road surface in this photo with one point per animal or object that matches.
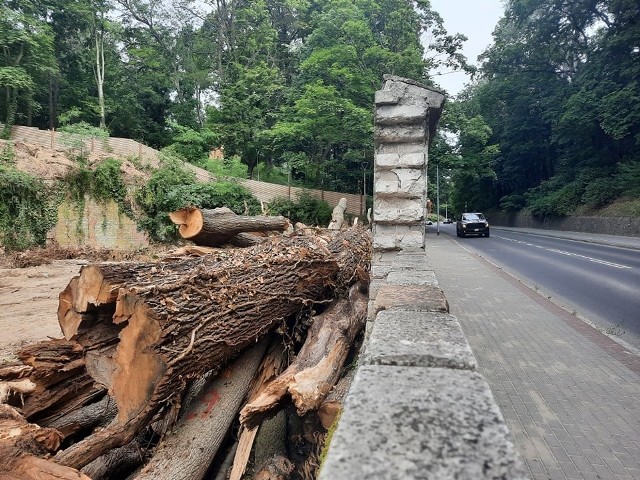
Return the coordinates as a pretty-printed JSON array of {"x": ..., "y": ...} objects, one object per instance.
[{"x": 599, "y": 283}]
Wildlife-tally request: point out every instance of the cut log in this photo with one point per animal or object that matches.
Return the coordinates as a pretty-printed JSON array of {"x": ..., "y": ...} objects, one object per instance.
[
  {"x": 184, "y": 318},
  {"x": 117, "y": 463},
  {"x": 332, "y": 405},
  {"x": 188, "y": 452},
  {"x": 217, "y": 226},
  {"x": 271, "y": 366},
  {"x": 83, "y": 417},
  {"x": 21, "y": 445},
  {"x": 337, "y": 216},
  {"x": 318, "y": 365}
]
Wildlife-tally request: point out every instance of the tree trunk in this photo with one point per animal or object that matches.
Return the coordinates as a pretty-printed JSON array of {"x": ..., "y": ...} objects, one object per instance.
[
  {"x": 220, "y": 225},
  {"x": 318, "y": 365},
  {"x": 21, "y": 445},
  {"x": 331, "y": 406},
  {"x": 205, "y": 424},
  {"x": 183, "y": 318}
]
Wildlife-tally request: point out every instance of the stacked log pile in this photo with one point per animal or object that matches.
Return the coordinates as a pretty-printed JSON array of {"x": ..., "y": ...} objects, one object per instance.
[{"x": 164, "y": 364}]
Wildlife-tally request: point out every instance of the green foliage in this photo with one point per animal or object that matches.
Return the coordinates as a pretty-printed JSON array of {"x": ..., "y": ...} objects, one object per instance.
[
  {"x": 628, "y": 178},
  {"x": 28, "y": 209},
  {"x": 226, "y": 167},
  {"x": 154, "y": 198},
  {"x": 191, "y": 145},
  {"x": 561, "y": 95},
  {"x": 213, "y": 195},
  {"x": 77, "y": 136},
  {"x": 108, "y": 184},
  {"x": 7, "y": 155},
  {"x": 306, "y": 209}
]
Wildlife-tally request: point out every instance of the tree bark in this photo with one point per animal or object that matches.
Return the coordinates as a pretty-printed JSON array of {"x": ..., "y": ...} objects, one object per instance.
[
  {"x": 21, "y": 445},
  {"x": 220, "y": 225},
  {"x": 318, "y": 365},
  {"x": 204, "y": 425},
  {"x": 183, "y": 318}
]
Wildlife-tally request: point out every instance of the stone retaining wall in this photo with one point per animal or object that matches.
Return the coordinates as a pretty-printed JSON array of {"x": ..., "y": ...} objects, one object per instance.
[
  {"x": 417, "y": 407},
  {"x": 624, "y": 226}
]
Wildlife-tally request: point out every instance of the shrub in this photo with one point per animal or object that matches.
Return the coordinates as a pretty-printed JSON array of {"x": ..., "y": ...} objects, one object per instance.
[
  {"x": 172, "y": 187},
  {"x": 28, "y": 209},
  {"x": 306, "y": 209}
]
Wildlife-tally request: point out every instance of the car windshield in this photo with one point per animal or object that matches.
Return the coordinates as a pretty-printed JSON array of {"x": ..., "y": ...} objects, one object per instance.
[{"x": 473, "y": 216}]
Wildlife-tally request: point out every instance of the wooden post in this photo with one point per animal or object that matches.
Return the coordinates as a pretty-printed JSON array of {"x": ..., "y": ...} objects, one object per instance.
[{"x": 53, "y": 138}]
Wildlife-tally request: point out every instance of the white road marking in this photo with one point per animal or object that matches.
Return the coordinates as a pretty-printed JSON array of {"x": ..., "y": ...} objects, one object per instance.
[{"x": 569, "y": 254}]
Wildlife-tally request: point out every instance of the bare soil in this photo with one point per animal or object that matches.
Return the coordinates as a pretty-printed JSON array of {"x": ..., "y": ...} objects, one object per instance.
[{"x": 29, "y": 303}]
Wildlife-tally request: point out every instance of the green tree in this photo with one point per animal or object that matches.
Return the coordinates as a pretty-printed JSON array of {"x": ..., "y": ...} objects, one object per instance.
[{"x": 26, "y": 58}]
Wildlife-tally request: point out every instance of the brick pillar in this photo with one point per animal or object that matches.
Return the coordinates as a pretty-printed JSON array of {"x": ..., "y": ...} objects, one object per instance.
[{"x": 407, "y": 114}]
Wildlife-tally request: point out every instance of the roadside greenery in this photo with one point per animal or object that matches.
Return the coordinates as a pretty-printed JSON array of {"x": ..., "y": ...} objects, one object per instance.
[
  {"x": 559, "y": 93},
  {"x": 305, "y": 208}
]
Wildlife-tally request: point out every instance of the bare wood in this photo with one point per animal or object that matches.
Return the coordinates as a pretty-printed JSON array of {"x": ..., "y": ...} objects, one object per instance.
[
  {"x": 21, "y": 444},
  {"x": 205, "y": 424},
  {"x": 271, "y": 366},
  {"x": 243, "y": 453},
  {"x": 337, "y": 216},
  {"x": 317, "y": 367},
  {"x": 213, "y": 227},
  {"x": 330, "y": 408},
  {"x": 30, "y": 467}
]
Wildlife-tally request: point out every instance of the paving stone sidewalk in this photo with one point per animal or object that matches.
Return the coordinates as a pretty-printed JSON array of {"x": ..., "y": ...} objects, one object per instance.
[{"x": 570, "y": 395}]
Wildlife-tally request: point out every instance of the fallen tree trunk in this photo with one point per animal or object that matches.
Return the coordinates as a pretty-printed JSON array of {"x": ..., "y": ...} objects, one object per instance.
[
  {"x": 21, "y": 446},
  {"x": 218, "y": 226},
  {"x": 318, "y": 364},
  {"x": 205, "y": 424},
  {"x": 183, "y": 318}
]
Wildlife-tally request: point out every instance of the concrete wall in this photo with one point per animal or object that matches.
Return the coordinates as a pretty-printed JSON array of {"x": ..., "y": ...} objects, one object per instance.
[
  {"x": 417, "y": 407},
  {"x": 96, "y": 225},
  {"x": 624, "y": 226}
]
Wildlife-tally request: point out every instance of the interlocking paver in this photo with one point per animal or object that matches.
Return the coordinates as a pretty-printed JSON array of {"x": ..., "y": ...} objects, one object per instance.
[{"x": 568, "y": 394}]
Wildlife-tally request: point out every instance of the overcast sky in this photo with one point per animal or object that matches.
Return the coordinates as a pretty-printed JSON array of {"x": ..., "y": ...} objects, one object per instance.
[{"x": 474, "y": 18}]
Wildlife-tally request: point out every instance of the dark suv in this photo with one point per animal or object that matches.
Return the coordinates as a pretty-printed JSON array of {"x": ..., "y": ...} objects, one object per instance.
[{"x": 472, "y": 224}]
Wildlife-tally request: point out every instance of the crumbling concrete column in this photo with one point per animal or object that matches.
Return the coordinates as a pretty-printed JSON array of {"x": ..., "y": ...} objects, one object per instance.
[{"x": 406, "y": 117}]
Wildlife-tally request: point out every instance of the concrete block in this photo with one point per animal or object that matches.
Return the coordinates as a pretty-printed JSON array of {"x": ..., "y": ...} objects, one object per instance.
[
  {"x": 398, "y": 210},
  {"x": 400, "y": 114},
  {"x": 414, "y": 298},
  {"x": 420, "y": 423},
  {"x": 388, "y": 161},
  {"x": 414, "y": 261},
  {"x": 383, "y": 258},
  {"x": 412, "y": 277},
  {"x": 398, "y": 242},
  {"x": 401, "y": 148},
  {"x": 380, "y": 271},
  {"x": 420, "y": 339},
  {"x": 401, "y": 183},
  {"x": 386, "y": 97},
  {"x": 401, "y": 133},
  {"x": 375, "y": 285}
]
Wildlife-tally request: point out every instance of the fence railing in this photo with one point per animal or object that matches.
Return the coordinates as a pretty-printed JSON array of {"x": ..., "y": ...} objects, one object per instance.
[{"x": 125, "y": 147}]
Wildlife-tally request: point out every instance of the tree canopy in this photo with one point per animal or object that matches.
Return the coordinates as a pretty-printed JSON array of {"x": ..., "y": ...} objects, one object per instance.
[
  {"x": 559, "y": 91},
  {"x": 285, "y": 86}
]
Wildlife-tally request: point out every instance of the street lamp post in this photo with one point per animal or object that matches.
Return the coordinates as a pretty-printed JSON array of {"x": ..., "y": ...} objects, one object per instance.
[{"x": 437, "y": 201}]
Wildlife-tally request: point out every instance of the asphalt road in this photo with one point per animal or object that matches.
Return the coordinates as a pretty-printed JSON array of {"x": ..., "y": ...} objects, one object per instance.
[{"x": 599, "y": 283}]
